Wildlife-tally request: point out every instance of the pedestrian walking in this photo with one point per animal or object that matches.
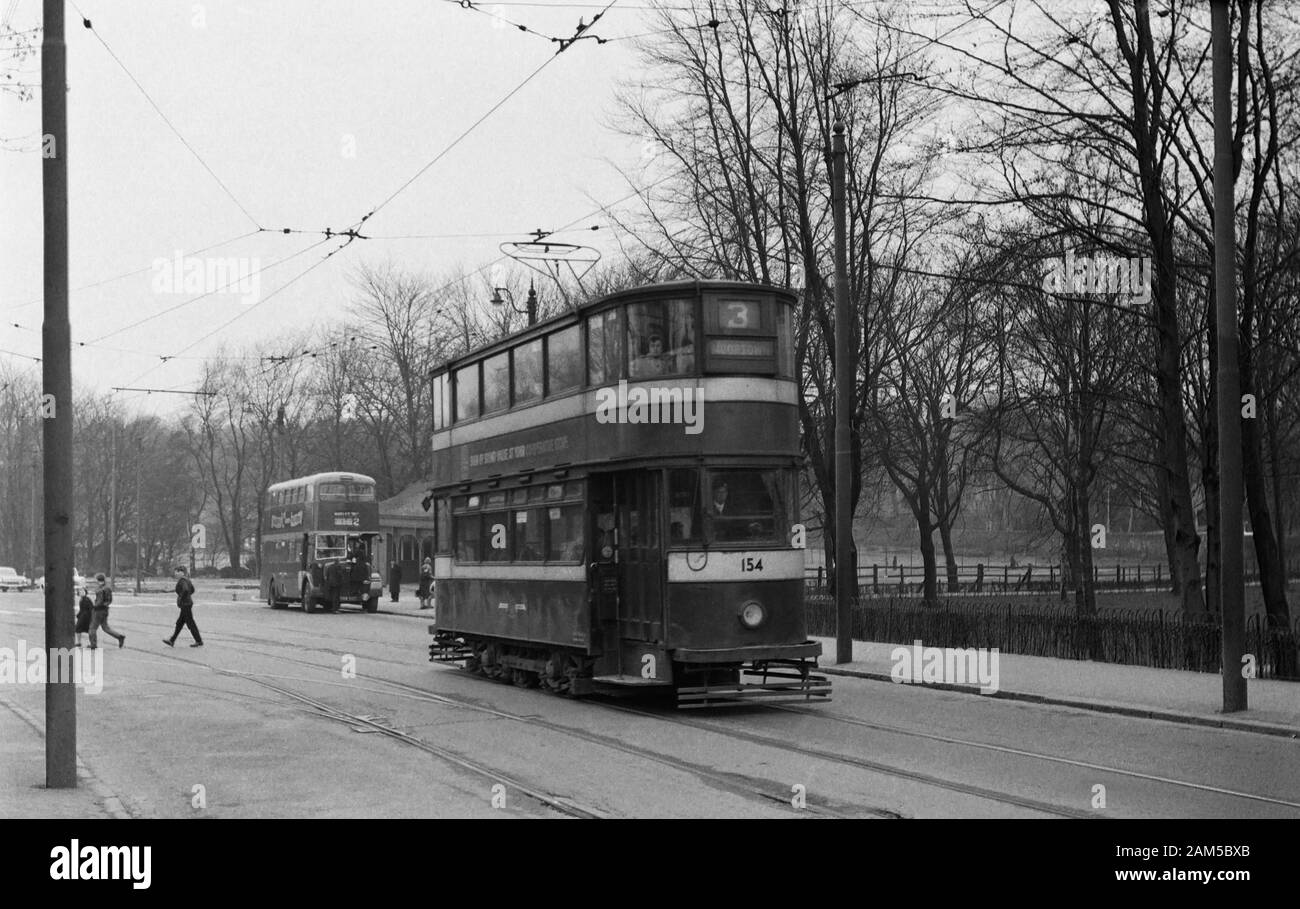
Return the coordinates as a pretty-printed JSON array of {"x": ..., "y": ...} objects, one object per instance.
[
  {"x": 394, "y": 580},
  {"x": 99, "y": 614},
  {"x": 185, "y": 603},
  {"x": 84, "y": 609},
  {"x": 426, "y": 584}
]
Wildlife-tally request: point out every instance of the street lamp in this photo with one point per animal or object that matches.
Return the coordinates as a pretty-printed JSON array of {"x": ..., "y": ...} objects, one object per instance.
[
  {"x": 846, "y": 580},
  {"x": 530, "y": 311}
]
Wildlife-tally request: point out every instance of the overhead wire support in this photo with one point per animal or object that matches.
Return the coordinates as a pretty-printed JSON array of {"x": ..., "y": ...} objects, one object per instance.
[{"x": 165, "y": 391}]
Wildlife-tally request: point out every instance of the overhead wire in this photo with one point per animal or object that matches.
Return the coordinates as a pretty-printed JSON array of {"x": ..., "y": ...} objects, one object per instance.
[{"x": 226, "y": 189}]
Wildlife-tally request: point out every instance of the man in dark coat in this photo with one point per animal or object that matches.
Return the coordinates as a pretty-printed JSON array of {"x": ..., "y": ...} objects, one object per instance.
[
  {"x": 185, "y": 603},
  {"x": 394, "y": 580}
]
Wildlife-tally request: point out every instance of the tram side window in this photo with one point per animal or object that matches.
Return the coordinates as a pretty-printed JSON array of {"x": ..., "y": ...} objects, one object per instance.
[
  {"x": 467, "y": 537},
  {"x": 528, "y": 371},
  {"x": 563, "y": 360},
  {"x": 496, "y": 382},
  {"x": 604, "y": 348},
  {"x": 496, "y": 536},
  {"x": 467, "y": 392},
  {"x": 564, "y": 533},
  {"x": 442, "y": 524},
  {"x": 684, "y": 524},
  {"x": 746, "y": 505},
  {"x": 661, "y": 338},
  {"x": 530, "y": 540}
]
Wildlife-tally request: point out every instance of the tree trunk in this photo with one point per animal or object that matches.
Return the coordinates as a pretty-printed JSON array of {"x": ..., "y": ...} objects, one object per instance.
[
  {"x": 929, "y": 586},
  {"x": 949, "y": 557},
  {"x": 1261, "y": 523}
]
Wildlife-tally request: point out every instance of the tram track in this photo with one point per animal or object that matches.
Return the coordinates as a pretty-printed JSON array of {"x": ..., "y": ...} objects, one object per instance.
[
  {"x": 561, "y": 804},
  {"x": 768, "y": 793},
  {"x": 746, "y": 786}
]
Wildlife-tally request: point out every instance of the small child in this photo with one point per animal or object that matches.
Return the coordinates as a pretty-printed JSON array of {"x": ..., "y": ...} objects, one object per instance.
[{"x": 84, "y": 608}]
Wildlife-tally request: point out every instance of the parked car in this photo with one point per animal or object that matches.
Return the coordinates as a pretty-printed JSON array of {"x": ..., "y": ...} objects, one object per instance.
[{"x": 12, "y": 580}]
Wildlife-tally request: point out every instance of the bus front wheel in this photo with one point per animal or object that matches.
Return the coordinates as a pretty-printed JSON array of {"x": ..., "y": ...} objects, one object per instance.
[
  {"x": 308, "y": 601},
  {"x": 371, "y": 605}
]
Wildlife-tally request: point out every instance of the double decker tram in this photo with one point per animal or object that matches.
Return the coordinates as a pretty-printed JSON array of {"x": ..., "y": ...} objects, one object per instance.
[{"x": 616, "y": 500}]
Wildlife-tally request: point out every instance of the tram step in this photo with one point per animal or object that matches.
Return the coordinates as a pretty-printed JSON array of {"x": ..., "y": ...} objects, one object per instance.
[{"x": 730, "y": 695}]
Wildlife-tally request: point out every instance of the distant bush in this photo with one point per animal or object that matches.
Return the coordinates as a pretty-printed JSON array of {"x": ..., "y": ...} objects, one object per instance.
[{"x": 234, "y": 571}]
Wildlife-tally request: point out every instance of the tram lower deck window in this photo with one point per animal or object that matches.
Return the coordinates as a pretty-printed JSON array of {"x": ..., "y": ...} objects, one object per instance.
[{"x": 746, "y": 505}]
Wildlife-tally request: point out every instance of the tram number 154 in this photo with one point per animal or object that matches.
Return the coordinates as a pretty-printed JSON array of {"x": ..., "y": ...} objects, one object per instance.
[{"x": 749, "y": 563}]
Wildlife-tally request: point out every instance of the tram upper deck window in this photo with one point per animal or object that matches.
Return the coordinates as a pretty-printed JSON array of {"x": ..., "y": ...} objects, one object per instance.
[
  {"x": 746, "y": 506},
  {"x": 467, "y": 404},
  {"x": 442, "y": 401},
  {"x": 564, "y": 359},
  {"x": 527, "y": 371},
  {"x": 661, "y": 338},
  {"x": 496, "y": 382},
  {"x": 604, "y": 348}
]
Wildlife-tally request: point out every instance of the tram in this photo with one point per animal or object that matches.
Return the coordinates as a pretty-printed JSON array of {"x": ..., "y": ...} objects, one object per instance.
[{"x": 615, "y": 494}]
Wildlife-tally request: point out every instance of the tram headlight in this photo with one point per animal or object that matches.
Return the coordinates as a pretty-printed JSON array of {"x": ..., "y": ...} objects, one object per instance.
[{"x": 752, "y": 614}]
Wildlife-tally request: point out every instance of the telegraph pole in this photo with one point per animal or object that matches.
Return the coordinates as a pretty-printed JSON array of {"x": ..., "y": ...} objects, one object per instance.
[
  {"x": 112, "y": 514},
  {"x": 139, "y": 456},
  {"x": 845, "y": 570},
  {"x": 56, "y": 404},
  {"x": 1232, "y": 593}
]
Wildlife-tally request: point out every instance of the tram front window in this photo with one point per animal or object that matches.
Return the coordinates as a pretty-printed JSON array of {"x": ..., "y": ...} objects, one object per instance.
[{"x": 745, "y": 506}]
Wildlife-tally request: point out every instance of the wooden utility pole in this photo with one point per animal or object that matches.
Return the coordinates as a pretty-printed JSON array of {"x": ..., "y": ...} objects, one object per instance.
[
  {"x": 56, "y": 408},
  {"x": 845, "y": 570},
  {"x": 1232, "y": 592}
]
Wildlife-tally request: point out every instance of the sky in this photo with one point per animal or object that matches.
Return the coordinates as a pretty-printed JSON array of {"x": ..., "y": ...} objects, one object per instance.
[{"x": 311, "y": 113}]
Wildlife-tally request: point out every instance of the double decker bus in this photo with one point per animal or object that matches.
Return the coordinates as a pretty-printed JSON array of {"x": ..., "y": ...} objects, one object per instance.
[
  {"x": 318, "y": 536},
  {"x": 615, "y": 494}
]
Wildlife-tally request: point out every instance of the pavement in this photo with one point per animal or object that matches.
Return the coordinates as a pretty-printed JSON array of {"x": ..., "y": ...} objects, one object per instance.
[
  {"x": 1173, "y": 695},
  {"x": 1159, "y": 694}
]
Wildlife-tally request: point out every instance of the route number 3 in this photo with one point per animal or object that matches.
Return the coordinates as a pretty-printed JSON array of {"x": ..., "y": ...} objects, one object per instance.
[
  {"x": 737, "y": 315},
  {"x": 751, "y": 564}
]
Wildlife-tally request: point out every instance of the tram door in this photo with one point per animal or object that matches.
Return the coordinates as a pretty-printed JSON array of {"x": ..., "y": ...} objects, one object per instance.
[{"x": 626, "y": 514}]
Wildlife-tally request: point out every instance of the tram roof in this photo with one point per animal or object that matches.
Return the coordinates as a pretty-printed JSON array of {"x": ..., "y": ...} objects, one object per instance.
[
  {"x": 326, "y": 477},
  {"x": 667, "y": 289}
]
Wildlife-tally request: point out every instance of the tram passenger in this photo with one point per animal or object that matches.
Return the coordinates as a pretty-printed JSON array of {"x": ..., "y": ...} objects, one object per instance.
[{"x": 652, "y": 362}]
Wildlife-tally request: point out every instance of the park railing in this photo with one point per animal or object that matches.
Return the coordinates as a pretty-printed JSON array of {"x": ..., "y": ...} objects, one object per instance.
[
  {"x": 993, "y": 580},
  {"x": 1137, "y": 638}
]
